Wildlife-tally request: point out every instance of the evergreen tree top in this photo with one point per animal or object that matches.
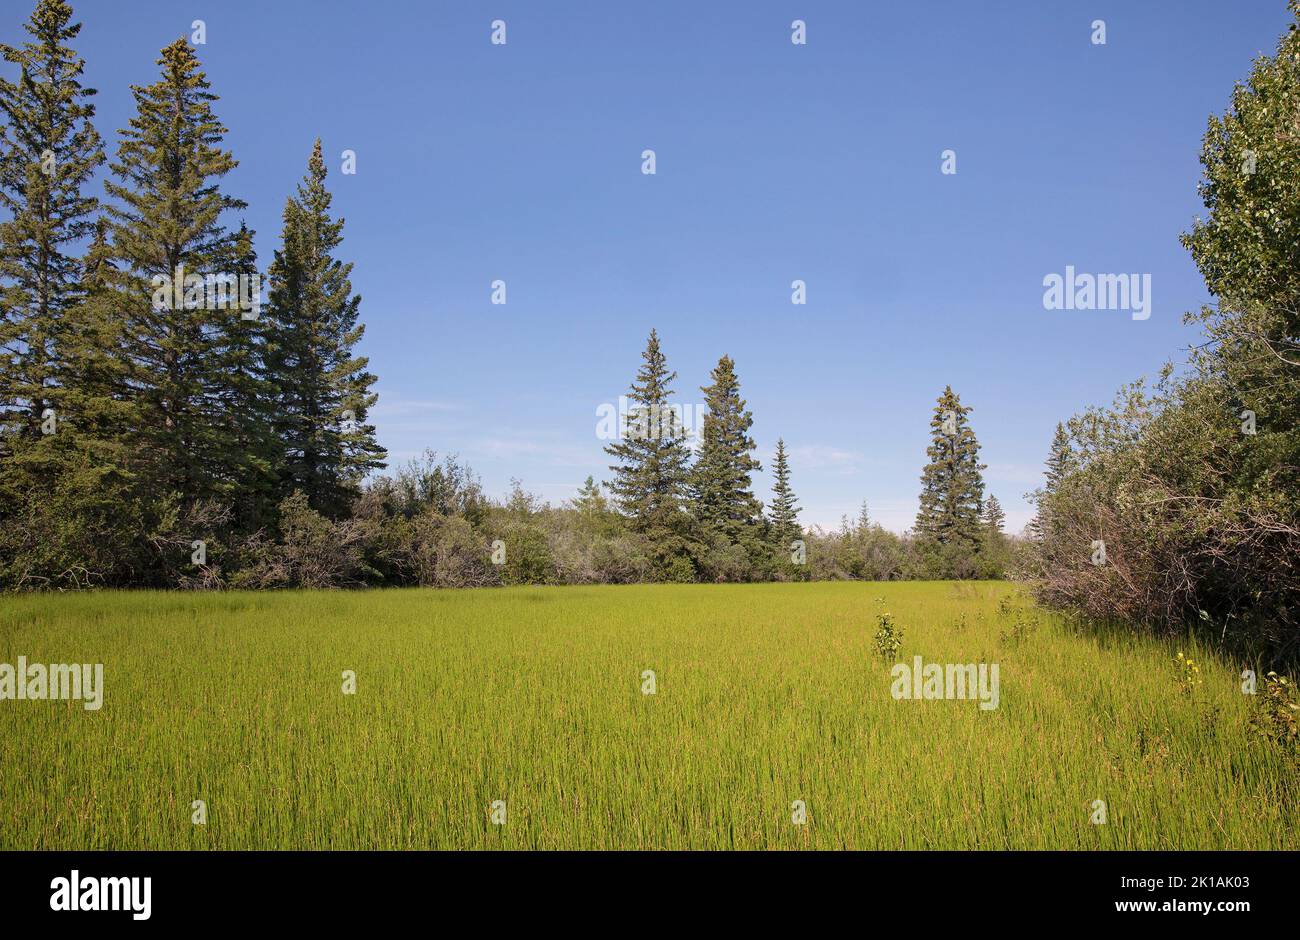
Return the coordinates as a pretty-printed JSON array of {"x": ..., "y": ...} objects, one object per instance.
[
  {"x": 1059, "y": 460},
  {"x": 994, "y": 517},
  {"x": 181, "y": 65},
  {"x": 49, "y": 25},
  {"x": 316, "y": 163},
  {"x": 653, "y": 378}
]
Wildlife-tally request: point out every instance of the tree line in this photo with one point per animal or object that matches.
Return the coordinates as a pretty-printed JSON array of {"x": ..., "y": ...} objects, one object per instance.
[
  {"x": 701, "y": 519},
  {"x": 159, "y": 426}
]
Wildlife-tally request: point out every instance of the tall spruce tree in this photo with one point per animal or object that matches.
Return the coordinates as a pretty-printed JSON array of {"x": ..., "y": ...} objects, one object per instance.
[
  {"x": 167, "y": 229},
  {"x": 323, "y": 387},
  {"x": 952, "y": 487},
  {"x": 722, "y": 497},
  {"x": 1060, "y": 461},
  {"x": 65, "y": 487},
  {"x": 247, "y": 397},
  {"x": 49, "y": 150},
  {"x": 784, "y": 510},
  {"x": 994, "y": 518},
  {"x": 995, "y": 551},
  {"x": 650, "y": 478}
]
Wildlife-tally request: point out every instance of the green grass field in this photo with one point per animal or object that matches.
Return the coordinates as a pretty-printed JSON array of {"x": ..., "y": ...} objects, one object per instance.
[{"x": 766, "y": 694}]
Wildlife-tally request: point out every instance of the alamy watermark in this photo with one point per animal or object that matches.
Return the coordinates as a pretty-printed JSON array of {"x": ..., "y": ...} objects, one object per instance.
[
  {"x": 656, "y": 422},
  {"x": 242, "y": 292},
  {"x": 25, "y": 681},
  {"x": 77, "y": 893},
  {"x": 960, "y": 681},
  {"x": 1073, "y": 291}
]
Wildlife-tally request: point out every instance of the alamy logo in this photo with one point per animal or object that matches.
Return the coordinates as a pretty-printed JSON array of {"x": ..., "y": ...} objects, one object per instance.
[
  {"x": 209, "y": 292},
  {"x": 1098, "y": 292},
  {"x": 961, "y": 681},
  {"x": 77, "y": 681},
  {"x": 75, "y": 893},
  {"x": 657, "y": 422}
]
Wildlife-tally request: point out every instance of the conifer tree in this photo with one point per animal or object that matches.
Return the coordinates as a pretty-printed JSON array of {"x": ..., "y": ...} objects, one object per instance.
[
  {"x": 247, "y": 397},
  {"x": 167, "y": 228},
  {"x": 722, "y": 498},
  {"x": 1059, "y": 465},
  {"x": 996, "y": 548},
  {"x": 589, "y": 499},
  {"x": 650, "y": 477},
  {"x": 49, "y": 150},
  {"x": 994, "y": 518},
  {"x": 65, "y": 485},
  {"x": 784, "y": 511},
  {"x": 1060, "y": 460},
  {"x": 94, "y": 374},
  {"x": 323, "y": 387},
  {"x": 952, "y": 487}
]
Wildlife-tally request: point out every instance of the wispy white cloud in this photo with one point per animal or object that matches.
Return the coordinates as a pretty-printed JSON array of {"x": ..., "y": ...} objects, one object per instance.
[
  {"x": 392, "y": 406},
  {"x": 823, "y": 457}
]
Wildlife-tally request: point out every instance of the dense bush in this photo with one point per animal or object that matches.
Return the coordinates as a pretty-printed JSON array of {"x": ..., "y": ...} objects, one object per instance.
[
  {"x": 73, "y": 527},
  {"x": 1194, "y": 487},
  {"x": 1195, "y": 527},
  {"x": 311, "y": 551}
]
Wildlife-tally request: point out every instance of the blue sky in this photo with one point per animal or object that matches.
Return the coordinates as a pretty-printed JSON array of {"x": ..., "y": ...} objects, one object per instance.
[{"x": 775, "y": 162}]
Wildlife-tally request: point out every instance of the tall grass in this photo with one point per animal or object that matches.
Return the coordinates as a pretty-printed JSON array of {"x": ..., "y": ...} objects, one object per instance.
[{"x": 766, "y": 694}]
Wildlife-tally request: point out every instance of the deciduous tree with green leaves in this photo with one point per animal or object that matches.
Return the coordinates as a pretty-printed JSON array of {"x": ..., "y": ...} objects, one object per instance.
[{"x": 1195, "y": 487}]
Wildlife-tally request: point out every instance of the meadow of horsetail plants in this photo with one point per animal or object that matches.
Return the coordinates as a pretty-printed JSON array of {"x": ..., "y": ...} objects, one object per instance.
[{"x": 638, "y": 717}]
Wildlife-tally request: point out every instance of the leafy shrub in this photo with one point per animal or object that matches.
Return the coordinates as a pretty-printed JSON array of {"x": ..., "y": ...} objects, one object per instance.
[
  {"x": 722, "y": 562},
  {"x": 889, "y": 637},
  {"x": 1191, "y": 520},
  {"x": 528, "y": 555},
  {"x": 446, "y": 551},
  {"x": 1277, "y": 714},
  {"x": 312, "y": 551},
  {"x": 74, "y": 524}
]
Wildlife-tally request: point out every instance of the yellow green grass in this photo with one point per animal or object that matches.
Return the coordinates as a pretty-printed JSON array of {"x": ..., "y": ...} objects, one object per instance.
[{"x": 766, "y": 694}]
